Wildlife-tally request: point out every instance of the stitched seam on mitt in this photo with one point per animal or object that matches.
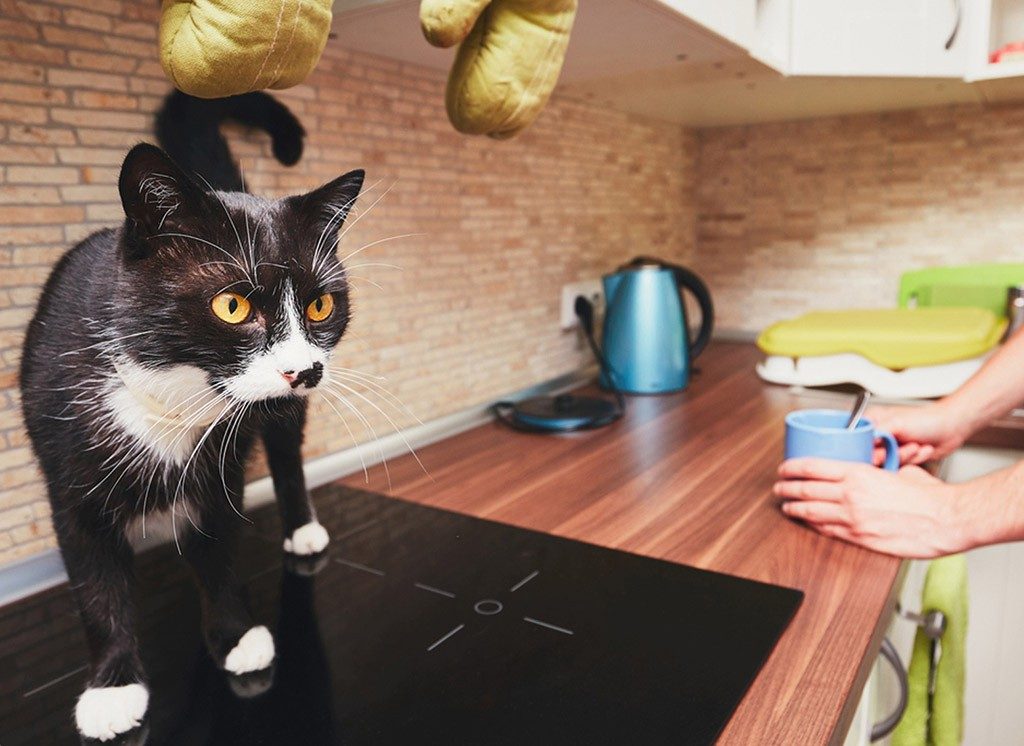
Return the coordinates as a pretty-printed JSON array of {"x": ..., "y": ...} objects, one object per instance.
[
  {"x": 174, "y": 39},
  {"x": 472, "y": 55},
  {"x": 541, "y": 74},
  {"x": 273, "y": 44},
  {"x": 291, "y": 38}
]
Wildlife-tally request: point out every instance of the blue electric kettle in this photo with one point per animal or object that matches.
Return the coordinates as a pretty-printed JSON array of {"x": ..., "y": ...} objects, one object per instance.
[{"x": 647, "y": 346}]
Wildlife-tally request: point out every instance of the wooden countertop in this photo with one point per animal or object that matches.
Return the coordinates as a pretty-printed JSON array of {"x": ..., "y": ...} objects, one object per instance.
[{"x": 687, "y": 477}]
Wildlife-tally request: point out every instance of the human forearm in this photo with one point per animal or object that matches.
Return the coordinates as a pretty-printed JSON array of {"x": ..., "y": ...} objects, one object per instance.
[
  {"x": 993, "y": 391},
  {"x": 990, "y": 509}
]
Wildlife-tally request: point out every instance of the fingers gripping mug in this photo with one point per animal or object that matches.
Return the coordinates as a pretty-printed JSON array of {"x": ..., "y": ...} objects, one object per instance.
[{"x": 822, "y": 433}]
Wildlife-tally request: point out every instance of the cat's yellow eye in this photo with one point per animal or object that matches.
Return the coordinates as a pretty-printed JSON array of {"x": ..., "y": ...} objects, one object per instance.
[
  {"x": 230, "y": 307},
  {"x": 321, "y": 308}
]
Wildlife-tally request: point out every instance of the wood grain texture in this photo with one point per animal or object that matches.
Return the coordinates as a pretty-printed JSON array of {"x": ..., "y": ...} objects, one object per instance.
[
  {"x": 687, "y": 477},
  {"x": 1006, "y": 432}
]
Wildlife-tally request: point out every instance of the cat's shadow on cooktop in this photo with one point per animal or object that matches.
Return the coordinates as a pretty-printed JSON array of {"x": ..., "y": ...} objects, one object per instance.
[{"x": 420, "y": 626}]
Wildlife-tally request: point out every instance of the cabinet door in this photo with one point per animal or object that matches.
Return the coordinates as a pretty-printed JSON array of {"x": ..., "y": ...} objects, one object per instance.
[{"x": 885, "y": 38}]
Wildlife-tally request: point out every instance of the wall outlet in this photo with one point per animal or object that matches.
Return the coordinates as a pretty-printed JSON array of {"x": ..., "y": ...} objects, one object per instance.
[{"x": 593, "y": 290}]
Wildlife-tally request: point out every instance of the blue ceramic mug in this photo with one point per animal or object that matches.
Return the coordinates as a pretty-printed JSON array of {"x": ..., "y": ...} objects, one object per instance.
[{"x": 822, "y": 433}]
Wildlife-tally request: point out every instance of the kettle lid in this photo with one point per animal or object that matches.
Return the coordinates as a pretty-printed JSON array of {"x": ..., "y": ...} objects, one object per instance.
[{"x": 642, "y": 263}]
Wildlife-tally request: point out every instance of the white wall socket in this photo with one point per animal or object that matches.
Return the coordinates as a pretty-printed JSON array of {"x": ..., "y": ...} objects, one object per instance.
[{"x": 593, "y": 290}]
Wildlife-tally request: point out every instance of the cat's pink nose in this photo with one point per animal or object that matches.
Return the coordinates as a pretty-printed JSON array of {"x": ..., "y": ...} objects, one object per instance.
[{"x": 288, "y": 375}]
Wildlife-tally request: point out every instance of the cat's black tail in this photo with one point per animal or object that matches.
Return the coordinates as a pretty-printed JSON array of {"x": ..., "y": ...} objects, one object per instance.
[{"x": 188, "y": 128}]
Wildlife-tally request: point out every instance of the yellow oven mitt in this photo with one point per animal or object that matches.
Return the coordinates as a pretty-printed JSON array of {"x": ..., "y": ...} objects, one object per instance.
[
  {"x": 508, "y": 63},
  {"x": 218, "y": 48}
]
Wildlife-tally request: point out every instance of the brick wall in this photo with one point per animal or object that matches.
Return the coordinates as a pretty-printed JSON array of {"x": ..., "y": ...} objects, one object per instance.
[
  {"x": 827, "y": 213},
  {"x": 474, "y": 312}
]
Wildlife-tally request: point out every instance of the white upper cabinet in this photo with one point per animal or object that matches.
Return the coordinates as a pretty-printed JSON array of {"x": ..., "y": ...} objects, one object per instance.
[
  {"x": 717, "y": 62},
  {"x": 993, "y": 26},
  {"x": 731, "y": 19},
  {"x": 890, "y": 38},
  {"x": 877, "y": 38}
]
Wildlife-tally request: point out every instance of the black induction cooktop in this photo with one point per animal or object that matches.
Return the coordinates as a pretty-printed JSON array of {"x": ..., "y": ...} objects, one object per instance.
[{"x": 421, "y": 626}]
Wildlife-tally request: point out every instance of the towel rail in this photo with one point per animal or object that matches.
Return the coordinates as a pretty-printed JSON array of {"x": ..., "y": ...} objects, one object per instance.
[{"x": 933, "y": 624}]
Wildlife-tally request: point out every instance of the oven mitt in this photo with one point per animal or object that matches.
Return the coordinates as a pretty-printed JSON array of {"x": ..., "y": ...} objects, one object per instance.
[
  {"x": 219, "y": 48},
  {"x": 938, "y": 720},
  {"x": 508, "y": 62}
]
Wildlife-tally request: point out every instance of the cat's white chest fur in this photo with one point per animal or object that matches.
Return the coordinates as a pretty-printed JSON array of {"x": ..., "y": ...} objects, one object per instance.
[{"x": 165, "y": 410}]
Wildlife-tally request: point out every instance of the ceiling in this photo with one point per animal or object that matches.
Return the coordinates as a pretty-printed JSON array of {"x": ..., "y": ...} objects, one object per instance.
[
  {"x": 641, "y": 57},
  {"x": 609, "y": 38}
]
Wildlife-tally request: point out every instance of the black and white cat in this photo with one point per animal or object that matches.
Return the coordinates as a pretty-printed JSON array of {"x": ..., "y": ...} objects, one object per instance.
[{"x": 159, "y": 352}]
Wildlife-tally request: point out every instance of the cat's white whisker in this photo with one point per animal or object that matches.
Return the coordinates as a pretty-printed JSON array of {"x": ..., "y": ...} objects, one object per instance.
[
  {"x": 108, "y": 342},
  {"x": 364, "y": 420},
  {"x": 343, "y": 271},
  {"x": 387, "y": 417},
  {"x": 212, "y": 245},
  {"x": 385, "y": 265},
  {"x": 367, "y": 281},
  {"x": 230, "y": 434},
  {"x": 139, "y": 446},
  {"x": 231, "y": 285},
  {"x": 352, "y": 437},
  {"x": 184, "y": 472},
  {"x": 379, "y": 390},
  {"x": 380, "y": 241},
  {"x": 348, "y": 209},
  {"x": 248, "y": 237},
  {"x": 365, "y": 212},
  {"x": 359, "y": 373},
  {"x": 231, "y": 220}
]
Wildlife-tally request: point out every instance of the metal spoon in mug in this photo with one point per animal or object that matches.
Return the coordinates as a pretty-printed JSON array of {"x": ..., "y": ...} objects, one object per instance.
[{"x": 858, "y": 409}]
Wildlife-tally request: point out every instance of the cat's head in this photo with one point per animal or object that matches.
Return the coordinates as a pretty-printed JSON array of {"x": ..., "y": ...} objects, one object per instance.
[{"x": 249, "y": 291}]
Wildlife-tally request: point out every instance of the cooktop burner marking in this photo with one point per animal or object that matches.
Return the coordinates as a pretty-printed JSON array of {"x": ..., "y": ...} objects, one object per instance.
[
  {"x": 524, "y": 581},
  {"x": 445, "y": 637},
  {"x": 357, "y": 529},
  {"x": 264, "y": 571},
  {"x": 51, "y": 682},
  {"x": 432, "y": 589},
  {"x": 357, "y": 566},
  {"x": 539, "y": 623},
  {"x": 488, "y": 607}
]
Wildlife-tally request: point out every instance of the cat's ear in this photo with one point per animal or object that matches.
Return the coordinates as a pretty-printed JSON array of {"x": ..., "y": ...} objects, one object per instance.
[
  {"x": 157, "y": 196},
  {"x": 326, "y": 208}
]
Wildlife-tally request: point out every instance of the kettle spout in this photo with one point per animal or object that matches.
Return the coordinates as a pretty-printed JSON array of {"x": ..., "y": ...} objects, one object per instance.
[{"x": 611, "y": 284}]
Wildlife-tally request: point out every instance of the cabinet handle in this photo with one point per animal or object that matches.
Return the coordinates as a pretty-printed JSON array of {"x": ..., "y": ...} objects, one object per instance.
[
  {"x": 886, "y": 725},
  {"x": 958, "y": 12}
]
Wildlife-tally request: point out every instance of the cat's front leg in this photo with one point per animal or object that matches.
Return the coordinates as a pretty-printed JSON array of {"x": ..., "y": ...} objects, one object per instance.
[
  {"x": 282, "y": 437},
  {"x": 99, "y": 565},
  {"x": 236, "y": 643}
]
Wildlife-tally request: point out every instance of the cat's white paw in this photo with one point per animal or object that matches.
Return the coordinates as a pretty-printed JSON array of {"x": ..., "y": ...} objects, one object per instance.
[
  {"x": 254, "y": 651},
  {"x": 309, "y": 539},
  {"x": 104, "y": 712}
]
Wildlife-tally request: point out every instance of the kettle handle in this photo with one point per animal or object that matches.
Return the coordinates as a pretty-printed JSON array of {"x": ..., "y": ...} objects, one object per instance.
[{"x": 690, "y": 281}]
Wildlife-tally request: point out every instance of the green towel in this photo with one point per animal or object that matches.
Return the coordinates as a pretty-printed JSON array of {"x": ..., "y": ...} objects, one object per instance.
[{"x": 945, "y": 590}]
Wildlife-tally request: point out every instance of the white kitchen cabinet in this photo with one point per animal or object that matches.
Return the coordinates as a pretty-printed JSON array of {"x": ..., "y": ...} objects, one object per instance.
[
  {"x": 993, "y": 23},
  {"x": 995, "y": 647},
  {"x": 876, "y": 38},
  {"x": 888, "y": 38},
  {"x": 731, "y": 19}
]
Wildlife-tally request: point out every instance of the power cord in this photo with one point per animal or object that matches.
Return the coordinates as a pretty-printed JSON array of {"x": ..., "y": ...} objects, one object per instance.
[{"x": 505, "y": 411}]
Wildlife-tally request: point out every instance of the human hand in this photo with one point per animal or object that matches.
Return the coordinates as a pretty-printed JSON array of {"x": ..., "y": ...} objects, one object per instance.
[
  {"x": 927, "y": 432},
  {"x": 907, "y": 513}
]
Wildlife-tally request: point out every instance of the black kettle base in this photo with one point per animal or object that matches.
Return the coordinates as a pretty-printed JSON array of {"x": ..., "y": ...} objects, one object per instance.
[{"x": 563, "y": 413}]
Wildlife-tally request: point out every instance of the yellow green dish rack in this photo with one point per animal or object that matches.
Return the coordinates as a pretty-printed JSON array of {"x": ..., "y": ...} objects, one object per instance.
[{"x": 949, "y": 321}]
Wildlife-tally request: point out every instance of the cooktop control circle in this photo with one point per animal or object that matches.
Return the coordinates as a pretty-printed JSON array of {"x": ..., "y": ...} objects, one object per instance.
[{"x": 488, "y": 607}]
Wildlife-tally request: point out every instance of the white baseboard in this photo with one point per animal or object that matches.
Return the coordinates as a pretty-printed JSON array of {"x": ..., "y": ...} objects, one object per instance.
[{"x": 45, "y": 570}]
